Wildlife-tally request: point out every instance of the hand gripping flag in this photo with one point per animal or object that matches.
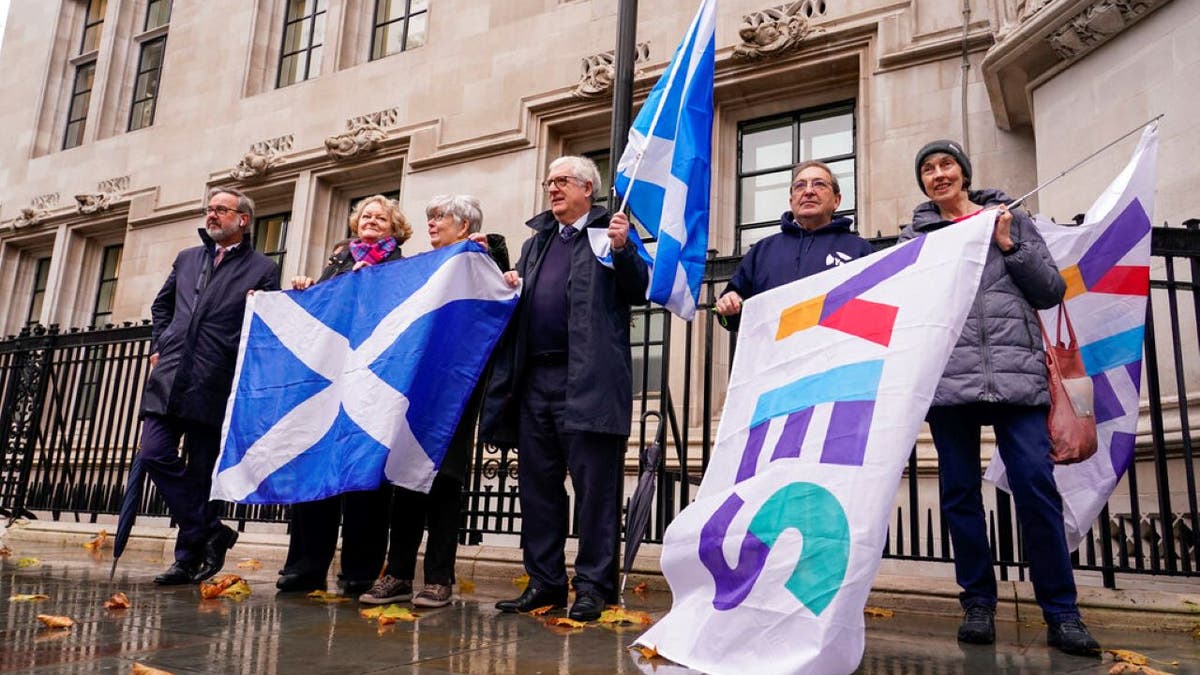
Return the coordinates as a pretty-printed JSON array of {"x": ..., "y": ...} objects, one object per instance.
[
  {"x": 771, "y": 565},
  {"x": 663, "y": 174},
  {"x": 359, "y": 379},
  {"x": 1106, "y": 263}
]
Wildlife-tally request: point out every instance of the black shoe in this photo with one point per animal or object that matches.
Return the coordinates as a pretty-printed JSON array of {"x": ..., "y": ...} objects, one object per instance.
[
  {"x": 178, "y": 573},
  {"x": 215, "y": 547},
  {"x": 1072, "y": 637},
  {"x": 355, "y": 587},
  {"x": 300, "y": 582},
  {"x": 587, "y": 607},
  {"x": 978, "y": 626},
  {"x": 535, "y": 597}
]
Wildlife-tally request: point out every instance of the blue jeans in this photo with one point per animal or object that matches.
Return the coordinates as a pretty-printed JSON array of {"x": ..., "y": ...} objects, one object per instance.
[{"x": 1024, "y": 444}]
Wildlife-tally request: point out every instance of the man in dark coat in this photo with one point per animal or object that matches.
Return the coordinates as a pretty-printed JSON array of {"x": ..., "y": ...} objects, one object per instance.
[
  {"x": 810, "y": 240},
  {"x": 562, "y": 389},
  {"x": 194, "y": 343}
]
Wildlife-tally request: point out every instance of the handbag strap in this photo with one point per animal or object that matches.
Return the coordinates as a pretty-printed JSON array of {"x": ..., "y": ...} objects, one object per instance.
[{"x": 1062, "y": 314}]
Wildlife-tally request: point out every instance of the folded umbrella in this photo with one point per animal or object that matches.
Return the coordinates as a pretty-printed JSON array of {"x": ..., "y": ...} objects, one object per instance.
[
  {"x": 637, "y": 515},
  {"x": 129, "y": 509}
]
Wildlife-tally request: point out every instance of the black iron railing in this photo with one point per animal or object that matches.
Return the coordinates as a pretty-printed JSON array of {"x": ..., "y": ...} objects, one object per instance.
[{"x": 68, "y": 430}]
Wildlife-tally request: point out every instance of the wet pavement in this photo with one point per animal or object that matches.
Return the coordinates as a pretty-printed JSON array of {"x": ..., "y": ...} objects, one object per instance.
[{"x": 174, "y": 630}]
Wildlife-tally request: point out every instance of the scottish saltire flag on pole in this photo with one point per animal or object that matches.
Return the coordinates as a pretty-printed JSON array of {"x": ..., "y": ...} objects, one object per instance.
[
  {"x": 359, "y": 379},
  {"x": 1106, "y": 263},
  {"x": 770, "y": 567},
  {"x": 664, "y": 173}
]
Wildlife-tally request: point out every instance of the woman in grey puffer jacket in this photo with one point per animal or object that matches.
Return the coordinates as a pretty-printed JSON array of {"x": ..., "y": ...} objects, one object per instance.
[{"x": 996, "y": 377}]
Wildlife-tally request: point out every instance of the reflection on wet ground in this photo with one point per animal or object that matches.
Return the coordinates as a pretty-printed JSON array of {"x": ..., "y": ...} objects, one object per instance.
[{"x": 174, "y": 630}]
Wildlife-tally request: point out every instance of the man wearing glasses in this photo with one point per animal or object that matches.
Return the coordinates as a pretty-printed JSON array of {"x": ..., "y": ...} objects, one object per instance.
[
  {"x": 562, "y": 388},
  {"x": 193, "y": 350},
  {"x": 810, "y": 240}
]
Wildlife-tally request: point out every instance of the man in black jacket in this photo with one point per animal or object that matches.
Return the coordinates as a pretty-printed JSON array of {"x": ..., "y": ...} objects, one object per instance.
[
  {"x": 562, "y": 388},
  {"x": 194, "y": 343}
]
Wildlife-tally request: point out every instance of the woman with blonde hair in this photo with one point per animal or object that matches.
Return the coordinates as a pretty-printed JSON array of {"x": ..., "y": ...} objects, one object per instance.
[{"x": 379, "y": 229}]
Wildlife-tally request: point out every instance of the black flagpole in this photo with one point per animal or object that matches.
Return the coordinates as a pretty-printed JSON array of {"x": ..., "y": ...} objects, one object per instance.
[
  {"x": 622, "y": 109},
  {"x": 622, "y": 118}
]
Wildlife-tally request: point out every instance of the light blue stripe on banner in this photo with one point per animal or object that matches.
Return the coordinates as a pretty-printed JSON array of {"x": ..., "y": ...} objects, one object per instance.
[
  {"x": 1113, "y": 351},
  {"x": 854, "y": 382}
]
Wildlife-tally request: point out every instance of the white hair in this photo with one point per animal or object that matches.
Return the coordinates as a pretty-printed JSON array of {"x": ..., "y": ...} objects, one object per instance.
[
  {"x": 581, "y": 168},
  {"x": 462, "y": 208}
]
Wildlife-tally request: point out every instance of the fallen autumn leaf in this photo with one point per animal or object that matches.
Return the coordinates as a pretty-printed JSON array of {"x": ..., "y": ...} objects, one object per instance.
[
  {"x": 95, "y": 544},
  {"x": 52, "y": 621},
  {"x": 28, "y": 562},
  {"x": 27, "y": 597},
  {"x": 118, "y": 601}
]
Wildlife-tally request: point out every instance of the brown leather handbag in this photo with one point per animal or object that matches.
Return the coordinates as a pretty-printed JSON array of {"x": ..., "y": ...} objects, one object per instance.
[{"x": 1072, "y": 420}]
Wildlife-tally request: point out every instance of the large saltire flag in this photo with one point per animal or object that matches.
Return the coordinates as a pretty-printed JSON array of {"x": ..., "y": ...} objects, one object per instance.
[
  {"x": 664, "y": 172},
  {"x": 770, "y": 567},
  {"x": 359, "y": 379},
  {"x": 1106, "y": 263}
]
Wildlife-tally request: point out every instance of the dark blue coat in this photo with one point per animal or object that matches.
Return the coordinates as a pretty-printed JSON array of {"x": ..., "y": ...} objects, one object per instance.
[
  {"x": 599, "y": 365},
  {"x": 794, "y": 253},
  {"x": 197, "y": 329}
]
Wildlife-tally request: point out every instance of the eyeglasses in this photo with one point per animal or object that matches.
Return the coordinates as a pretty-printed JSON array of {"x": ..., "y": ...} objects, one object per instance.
[
  {"x": 219, "y": 211},
  {"x": 560, "y": 182},
  {"x": 818, "y": 184},
  {"x": 436, "y": 215}
]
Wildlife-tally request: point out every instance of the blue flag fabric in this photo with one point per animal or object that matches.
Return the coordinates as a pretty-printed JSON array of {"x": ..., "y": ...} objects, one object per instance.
[
  {"x": 360, "y": 379},
  {"x": 664, "y": 172}
]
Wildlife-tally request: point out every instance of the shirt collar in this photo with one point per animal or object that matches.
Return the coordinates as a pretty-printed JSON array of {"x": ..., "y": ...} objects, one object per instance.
[{"x": 578, "y": 224}]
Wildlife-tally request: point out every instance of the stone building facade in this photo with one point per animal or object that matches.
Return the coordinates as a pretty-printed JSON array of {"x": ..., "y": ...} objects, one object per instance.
[{"x": 120, "y": 113}]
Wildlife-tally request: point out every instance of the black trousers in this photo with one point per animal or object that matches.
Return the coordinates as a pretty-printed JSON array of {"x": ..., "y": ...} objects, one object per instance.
[
  {"x": 412, "y": 512},
  {"x": 363, "y": 516},
  {"x": 184, "y": 480},
  {"x": 547, "y": 453}
]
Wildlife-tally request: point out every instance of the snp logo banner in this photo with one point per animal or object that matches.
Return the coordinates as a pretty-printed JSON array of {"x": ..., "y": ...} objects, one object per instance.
[
  {"x": 770, "y": 567},
  {"x": 359, "y": 379}
]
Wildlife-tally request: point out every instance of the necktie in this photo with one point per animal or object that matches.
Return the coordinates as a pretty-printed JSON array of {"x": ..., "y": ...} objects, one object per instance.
[
  {"x": 568, "y": 233},
  {"x": 219, "y": 257}
]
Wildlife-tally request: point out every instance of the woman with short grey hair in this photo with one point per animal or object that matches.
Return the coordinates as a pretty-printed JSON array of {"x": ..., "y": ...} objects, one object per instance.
[{"x": 451, "y": 219}]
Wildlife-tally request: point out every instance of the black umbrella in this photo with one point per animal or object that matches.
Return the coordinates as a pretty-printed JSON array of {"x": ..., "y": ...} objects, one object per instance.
[
  {"x": 637, "y": 516},
  {"x": 129, "y": 509}
]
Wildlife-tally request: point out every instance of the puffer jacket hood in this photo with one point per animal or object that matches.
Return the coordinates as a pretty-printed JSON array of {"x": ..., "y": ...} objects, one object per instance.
[{"x": 999, "y": 356}]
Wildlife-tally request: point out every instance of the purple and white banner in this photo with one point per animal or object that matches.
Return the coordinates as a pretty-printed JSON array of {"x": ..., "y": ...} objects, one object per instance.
[{"x": 770, "y": 567}]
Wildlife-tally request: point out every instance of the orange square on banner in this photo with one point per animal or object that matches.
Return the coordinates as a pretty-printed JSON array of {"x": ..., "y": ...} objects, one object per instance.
[
  {"x": 800, "y": 317},
  {"x": 1074, "y": 280}
]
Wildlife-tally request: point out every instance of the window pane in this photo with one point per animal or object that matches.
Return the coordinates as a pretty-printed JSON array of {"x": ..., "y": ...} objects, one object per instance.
[
  {"x": 416, "y": 31},
  {"x": 158, "y": 13},
  {"x": 755, "y": 235},
  {"x": 79, "y": 106},
  {"x": 314, "y": 63},
  {"x": 91, "y": 38},
  {"x": 389, "y": 39},
  {"x": 142, "y": 115},
  {"x": 35, "y": 307},
  {"x": 319, "y": 30},
  {"x": 84, "y": 77},
  {"x": 298, "y": 8},
  {"x": 112, "y": 262},
  {"x": 104, "y": 301},
  {"x": 295, "y": 36},
  {"x": 418, "y": 6},
  {"x": 42, "y": 275},
  {"x": 827, "y": 137},
  {"x": 74, "y": 135},
  {"x": 844, "y": 170},
  {"x": 765, "y": 197},
  {"x": 152, "y": 55},
  {"x": 767, "y": 148},
  {"x": 388, "y": 10},
  {"x": 291, "y": 70}
]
